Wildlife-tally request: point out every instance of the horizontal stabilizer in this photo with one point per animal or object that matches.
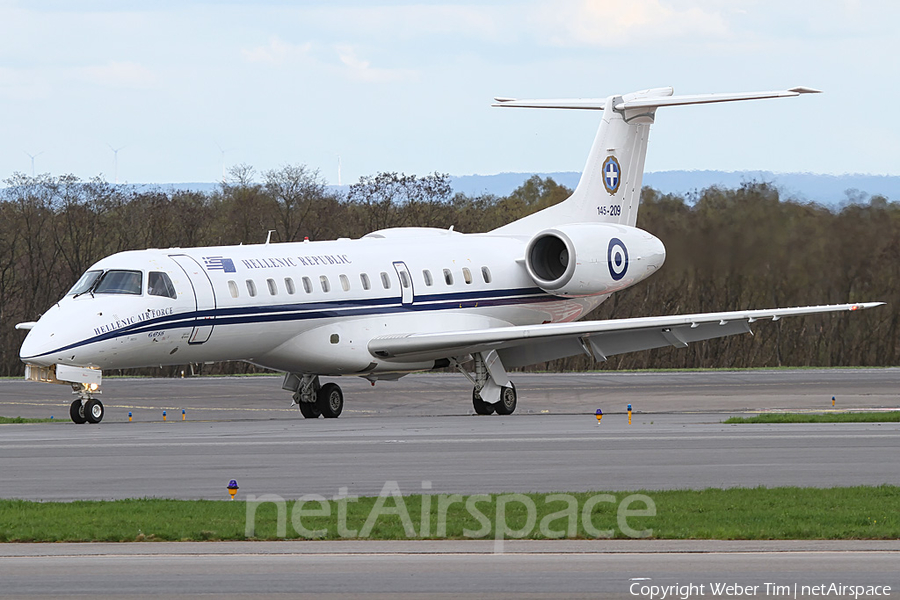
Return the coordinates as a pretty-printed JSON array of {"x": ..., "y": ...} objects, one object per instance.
[
  {"x": 710, "y": 98},
  {"x": 651, "y": 99},
  {"x": 577, "y": 103}
]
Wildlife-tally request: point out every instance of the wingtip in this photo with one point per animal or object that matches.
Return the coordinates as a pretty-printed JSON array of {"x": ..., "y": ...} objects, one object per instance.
[
  {"x": 865, "y": 305},
  {"x": 804, "y": 90}
]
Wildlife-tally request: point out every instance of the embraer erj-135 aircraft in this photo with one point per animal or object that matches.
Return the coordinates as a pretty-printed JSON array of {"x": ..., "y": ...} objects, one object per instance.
[{"x": 397, "y": 300}]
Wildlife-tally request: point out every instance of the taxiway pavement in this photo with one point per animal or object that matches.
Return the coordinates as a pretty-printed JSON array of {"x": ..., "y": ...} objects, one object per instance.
[
  {"x": 422, "y": 429},
  {"x": 552, "y": 443},
  {"x": 525, "y": 569}
]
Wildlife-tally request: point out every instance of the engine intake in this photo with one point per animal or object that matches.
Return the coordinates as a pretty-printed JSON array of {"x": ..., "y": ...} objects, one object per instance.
[{"x": 586, "y": 259}]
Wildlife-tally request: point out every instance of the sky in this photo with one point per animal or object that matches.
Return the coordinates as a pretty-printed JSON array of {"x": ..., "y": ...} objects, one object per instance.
[{"x": 184, "y": 88}]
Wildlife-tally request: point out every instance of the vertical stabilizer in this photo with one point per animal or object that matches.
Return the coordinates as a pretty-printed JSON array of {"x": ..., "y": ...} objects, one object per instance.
[{"x": 610, "y": 187}]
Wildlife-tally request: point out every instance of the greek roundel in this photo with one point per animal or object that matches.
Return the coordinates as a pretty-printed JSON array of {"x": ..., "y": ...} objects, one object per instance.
[
  {"x": 612, "y": 174},
  {"x": 617, "y": 259}
]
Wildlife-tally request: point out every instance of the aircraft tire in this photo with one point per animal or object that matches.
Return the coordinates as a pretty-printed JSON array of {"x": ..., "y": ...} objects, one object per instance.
[
  {"x": 481, "y": 407},
  {"x": 330, "y": 400},
  {"x": 310, "y": 410},
  {"x": 93, "y": 411},
  {"x": 507, "y": 403},
  {"x": 76, "y": 412}
]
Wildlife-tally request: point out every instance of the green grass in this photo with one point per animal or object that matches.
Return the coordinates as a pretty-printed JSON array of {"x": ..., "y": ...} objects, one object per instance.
[
  {"x": 852, "y": 417},
  {"x": 10, "y": 420},
  {"x": 739, "y": 513}
]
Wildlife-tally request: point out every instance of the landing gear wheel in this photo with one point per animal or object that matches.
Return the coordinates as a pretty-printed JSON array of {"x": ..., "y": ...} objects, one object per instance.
[
  {"x": 330, "y": 401},
  {"x": 93, "y": 411},
  {"x": 481, "y": 407},
  {"x": 507, "y": 403},
  {"x": 76, "y": 411},
  {"x": 310, "y": 410}
]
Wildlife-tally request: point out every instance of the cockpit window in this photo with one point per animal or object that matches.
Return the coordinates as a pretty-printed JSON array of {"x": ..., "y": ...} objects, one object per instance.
[
  {"x": 159, "y": 284},
  {"x": 119, "y": 282},
  {"x": 85, "y": 283}
]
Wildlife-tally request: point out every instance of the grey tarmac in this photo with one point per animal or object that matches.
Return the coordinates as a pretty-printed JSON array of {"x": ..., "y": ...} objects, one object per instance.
[
  {"x": 552, "y": 443},
  {"x": 422, "y": 429},
  {"x": 425, "y": 569}
]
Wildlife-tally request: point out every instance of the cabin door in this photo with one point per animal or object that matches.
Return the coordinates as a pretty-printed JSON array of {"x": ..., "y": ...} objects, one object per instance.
[
  {"x": 204, "y": 298},
  {"x": 406, "y": 283}
]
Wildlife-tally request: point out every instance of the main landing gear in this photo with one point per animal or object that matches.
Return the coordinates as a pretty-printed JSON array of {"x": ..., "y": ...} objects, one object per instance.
[
  {"x": 493, "y": 391},
  {"x": 505, "y": 406},
  {"x": 86, "y": 408},
  {"x": 313, "y": 398}
]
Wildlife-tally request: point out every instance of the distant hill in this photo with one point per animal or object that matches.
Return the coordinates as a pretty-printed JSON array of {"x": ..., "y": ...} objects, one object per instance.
[{"x": 828, "y": 190}]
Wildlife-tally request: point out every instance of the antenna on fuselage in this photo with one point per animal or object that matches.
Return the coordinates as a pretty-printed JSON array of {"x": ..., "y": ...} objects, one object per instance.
[{"x": 269, "y": 237}]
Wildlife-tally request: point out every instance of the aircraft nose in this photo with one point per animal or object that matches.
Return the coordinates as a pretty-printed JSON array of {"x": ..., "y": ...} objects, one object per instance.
[
  {"x": 46, "y": 337},
  {"x": 36, "y": 345}
]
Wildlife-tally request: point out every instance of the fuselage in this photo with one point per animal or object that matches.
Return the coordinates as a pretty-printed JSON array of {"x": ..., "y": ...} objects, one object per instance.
[
  {"x": 396, "y": 300},
  {"x": 294, "y": 307}
]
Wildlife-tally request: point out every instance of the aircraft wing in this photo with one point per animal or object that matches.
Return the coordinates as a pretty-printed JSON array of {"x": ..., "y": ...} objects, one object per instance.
[{"x": 530, "y": 344}]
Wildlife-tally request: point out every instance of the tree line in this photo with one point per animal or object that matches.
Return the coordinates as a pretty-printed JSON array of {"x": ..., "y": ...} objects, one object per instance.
[{"x": 727, "y": 249}]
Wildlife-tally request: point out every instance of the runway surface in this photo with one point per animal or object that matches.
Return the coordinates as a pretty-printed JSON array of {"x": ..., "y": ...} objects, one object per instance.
[
  {"x": 536, "y": 569},
  {"x": 254, "y": 398},
  {"x": 676, "y": 439},
  {"x": 421, "y": 432}
]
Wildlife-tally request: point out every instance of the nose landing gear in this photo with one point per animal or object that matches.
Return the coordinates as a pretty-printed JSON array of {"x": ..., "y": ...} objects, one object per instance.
[{"x": 86, "y": 408}]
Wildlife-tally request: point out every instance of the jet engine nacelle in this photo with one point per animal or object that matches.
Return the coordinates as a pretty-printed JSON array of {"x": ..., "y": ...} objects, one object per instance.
[{"x": 586, "y": 259}]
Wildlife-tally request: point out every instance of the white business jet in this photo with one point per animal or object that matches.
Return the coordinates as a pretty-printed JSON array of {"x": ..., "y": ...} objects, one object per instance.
[{"x": 396, "y": 300}]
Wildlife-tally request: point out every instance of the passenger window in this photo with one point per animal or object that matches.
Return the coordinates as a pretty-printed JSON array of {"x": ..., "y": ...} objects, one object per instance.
[
  {"x": 467, "y": 275},
  {"x": 233, "y": 289},
  {"x": 404, "y": 279},
  {"x": 326, "y": 286},
  {"x": 448, "y": 277},
  {"x": 385, "y": 280},
  {"x": 364, "y": 279},
  {"x": 307, "y": 285},
  {"x": 345, "y": 283},
  {"x": 159, "y": 284},
  {"x": 289, "y": 286},
  {"x": 251, "y": 288},
  {"x": 119, "y": 282},
  {"x": 486, "y": 274},
  {"x": 273, "y": 289},
  {"x": 426, "y": 275},
  {"x": 86, "y": 282}
]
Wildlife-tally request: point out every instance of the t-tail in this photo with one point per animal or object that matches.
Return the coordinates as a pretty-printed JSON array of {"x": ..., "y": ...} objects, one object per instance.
[{"x": 609, "y": 190}]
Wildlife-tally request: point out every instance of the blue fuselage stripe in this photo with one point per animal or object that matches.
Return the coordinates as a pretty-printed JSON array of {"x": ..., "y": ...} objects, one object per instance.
[{"x": 243, "y": 315}]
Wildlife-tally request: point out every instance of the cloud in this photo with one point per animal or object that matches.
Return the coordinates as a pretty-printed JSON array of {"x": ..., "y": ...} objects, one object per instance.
[
  {"x": 610, "y": 23},
  {"x": 118, "y": 74},
  {"x": 343, "y": 59},
  {"x": 363, "y": 70},
  {"x": 277, "y": 52}
]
